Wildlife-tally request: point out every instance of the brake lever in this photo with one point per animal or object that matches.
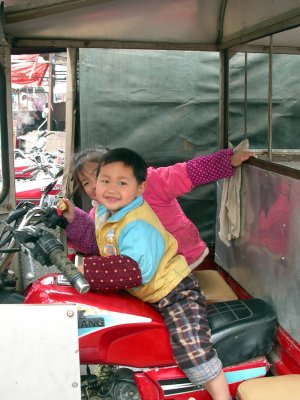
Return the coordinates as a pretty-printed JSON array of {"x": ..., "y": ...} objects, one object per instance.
[
  {"x": 16, "y": 214},
  {"x": 20, "y": 210}
]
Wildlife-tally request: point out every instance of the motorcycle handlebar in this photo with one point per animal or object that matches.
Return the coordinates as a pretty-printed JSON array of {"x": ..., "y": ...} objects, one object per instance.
[
  {"x": 28, "y": 169},
  {"x": 5, "y": 260},
  {"x": 57, "y": 256},
  {"x": 68, "y": 269}
]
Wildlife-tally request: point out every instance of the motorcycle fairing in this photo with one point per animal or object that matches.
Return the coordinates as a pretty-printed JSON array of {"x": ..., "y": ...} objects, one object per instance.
[
  {"x": 140, "y": 339},
  {"x": 92, "y": 319}
]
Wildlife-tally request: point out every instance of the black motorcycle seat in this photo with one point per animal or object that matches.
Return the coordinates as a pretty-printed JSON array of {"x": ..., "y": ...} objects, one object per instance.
[{"x": 242, "y": 329}]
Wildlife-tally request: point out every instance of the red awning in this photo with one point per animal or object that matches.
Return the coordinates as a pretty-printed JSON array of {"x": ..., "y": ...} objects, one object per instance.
[{"x": 27, "y": 70}]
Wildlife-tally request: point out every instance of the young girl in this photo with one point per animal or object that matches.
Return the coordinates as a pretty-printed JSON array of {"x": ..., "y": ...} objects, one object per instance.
[{"x": 163, "y": 186}]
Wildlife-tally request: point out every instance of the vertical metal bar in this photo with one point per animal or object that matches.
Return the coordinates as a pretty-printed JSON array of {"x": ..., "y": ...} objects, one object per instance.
[
  {"x": 68, "y": 187},
  {"x": 224, "y": 99},
  {"x": 4, "y": 141},
  {"x": 270, "y": 94},
  {"x": 51, "y": 83},
  {"x": 72, "y": 56},
  {"x": 246, "y": 95},
  {"x": 6, "y": 176},
  {"x": 2, "y": 35}
]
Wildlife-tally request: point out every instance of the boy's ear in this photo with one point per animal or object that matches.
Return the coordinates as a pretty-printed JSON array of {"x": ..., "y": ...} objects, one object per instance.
[{"x": 141, "y": 187}]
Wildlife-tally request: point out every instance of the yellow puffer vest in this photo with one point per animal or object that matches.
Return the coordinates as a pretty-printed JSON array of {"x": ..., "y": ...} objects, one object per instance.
[{"x": 172, "y": 268}]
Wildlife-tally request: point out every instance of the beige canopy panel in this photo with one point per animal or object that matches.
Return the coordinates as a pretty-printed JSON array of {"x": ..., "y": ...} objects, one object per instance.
[{"x": 170, "y": 24}]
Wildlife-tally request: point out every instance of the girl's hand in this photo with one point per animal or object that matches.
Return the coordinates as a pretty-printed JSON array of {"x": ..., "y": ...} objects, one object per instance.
[
  {"x": 238, "y": 158},
  {"x": 69, "y": 213}
]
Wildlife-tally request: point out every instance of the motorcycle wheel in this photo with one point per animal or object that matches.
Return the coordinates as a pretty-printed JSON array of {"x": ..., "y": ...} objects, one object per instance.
[{"x": 125, "y": 391}]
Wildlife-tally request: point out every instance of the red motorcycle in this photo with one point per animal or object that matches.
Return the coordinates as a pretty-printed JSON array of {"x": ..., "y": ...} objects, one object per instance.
[
  {"x": 32, "y": 191},
  {"x": 23, "y": 165},
  {"x": 117, "y": 329},
  {"x": 36, "y": 169}
]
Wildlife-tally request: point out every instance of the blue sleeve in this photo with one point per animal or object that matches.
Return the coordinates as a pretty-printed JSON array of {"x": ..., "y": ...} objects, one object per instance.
[{"x": 144, "y": 244}]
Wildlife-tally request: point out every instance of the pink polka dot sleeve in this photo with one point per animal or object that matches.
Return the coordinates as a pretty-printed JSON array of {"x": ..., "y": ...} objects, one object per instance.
[
  {"x": 111, "y": 273},
  {"x": 210, "y": 168},
  {"x": 81, "y": 233}
]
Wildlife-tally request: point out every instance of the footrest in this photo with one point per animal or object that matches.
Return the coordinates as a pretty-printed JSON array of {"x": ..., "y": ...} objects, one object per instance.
[
  {"x": 214, "y": 286},
  {"x": 273, "y": 388}
]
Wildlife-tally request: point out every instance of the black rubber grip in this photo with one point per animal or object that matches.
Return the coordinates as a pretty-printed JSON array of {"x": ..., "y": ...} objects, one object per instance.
[{"x": 70, "y": 272}]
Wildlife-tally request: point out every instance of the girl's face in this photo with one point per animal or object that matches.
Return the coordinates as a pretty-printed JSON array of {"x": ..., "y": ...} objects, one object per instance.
[
  {"x": 87, "y": 178},
  {"x": 117, "y": 186}
]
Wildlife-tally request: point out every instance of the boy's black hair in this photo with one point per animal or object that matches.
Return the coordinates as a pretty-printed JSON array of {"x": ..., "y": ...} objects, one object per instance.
[{"x": 130, "y": 158}]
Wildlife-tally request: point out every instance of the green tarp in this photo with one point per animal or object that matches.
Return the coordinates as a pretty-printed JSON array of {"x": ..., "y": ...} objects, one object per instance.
[{"x": 165, "y": 105}]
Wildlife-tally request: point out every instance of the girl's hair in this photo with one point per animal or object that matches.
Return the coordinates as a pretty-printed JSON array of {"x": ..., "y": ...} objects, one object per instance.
[
  {"x": 130, "y": 158},
  {"x": 80, "y": 158}
]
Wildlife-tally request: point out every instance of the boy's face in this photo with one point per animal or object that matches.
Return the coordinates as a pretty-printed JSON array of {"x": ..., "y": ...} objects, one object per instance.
[
  {"x": 87, "y": 178},
  {"x": 117, "y": 186}
]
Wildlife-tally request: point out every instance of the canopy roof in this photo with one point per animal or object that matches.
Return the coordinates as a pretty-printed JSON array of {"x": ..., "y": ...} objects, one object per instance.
[{"x": 203, "y": 24}]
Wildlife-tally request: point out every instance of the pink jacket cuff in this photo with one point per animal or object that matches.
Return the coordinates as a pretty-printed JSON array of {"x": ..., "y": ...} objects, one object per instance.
[{"x": 210, "y": 168}]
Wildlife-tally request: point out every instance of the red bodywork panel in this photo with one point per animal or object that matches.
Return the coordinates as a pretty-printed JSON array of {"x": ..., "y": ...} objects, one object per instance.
[
  {"x": 126, "y": 320},
  {"x": 170, "y": 382}
]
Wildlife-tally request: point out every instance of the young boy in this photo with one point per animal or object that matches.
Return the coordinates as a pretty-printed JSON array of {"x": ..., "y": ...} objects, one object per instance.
[{"x": 126, "y": 225}]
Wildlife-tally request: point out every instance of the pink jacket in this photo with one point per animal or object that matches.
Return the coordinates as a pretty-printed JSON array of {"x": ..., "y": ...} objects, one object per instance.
[{"x": 163, "y": 186}]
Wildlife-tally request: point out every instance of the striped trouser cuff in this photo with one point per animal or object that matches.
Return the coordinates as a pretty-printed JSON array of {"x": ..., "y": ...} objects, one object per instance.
[{"x": 204, "y": 372}]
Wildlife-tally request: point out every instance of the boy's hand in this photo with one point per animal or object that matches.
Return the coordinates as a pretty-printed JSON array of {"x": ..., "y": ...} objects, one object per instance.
[
  {"x": 81, "y": 268},
  {"x": 238, "y": 158},
  {"x": 69, "y": 213}
]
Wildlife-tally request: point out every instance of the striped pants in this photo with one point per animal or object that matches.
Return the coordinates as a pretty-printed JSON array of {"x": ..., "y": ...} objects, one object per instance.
[{"x": 184, "y": 314}]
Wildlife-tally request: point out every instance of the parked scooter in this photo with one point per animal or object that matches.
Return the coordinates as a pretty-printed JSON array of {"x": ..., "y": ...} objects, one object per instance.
[
  {"x": 37, "y": 163},
  {"x": 37, "y": 166},
  {"x": 22, "y": 164},
  {"x": 36, "y": 169},
  {"x": 117, "y": 329}
]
